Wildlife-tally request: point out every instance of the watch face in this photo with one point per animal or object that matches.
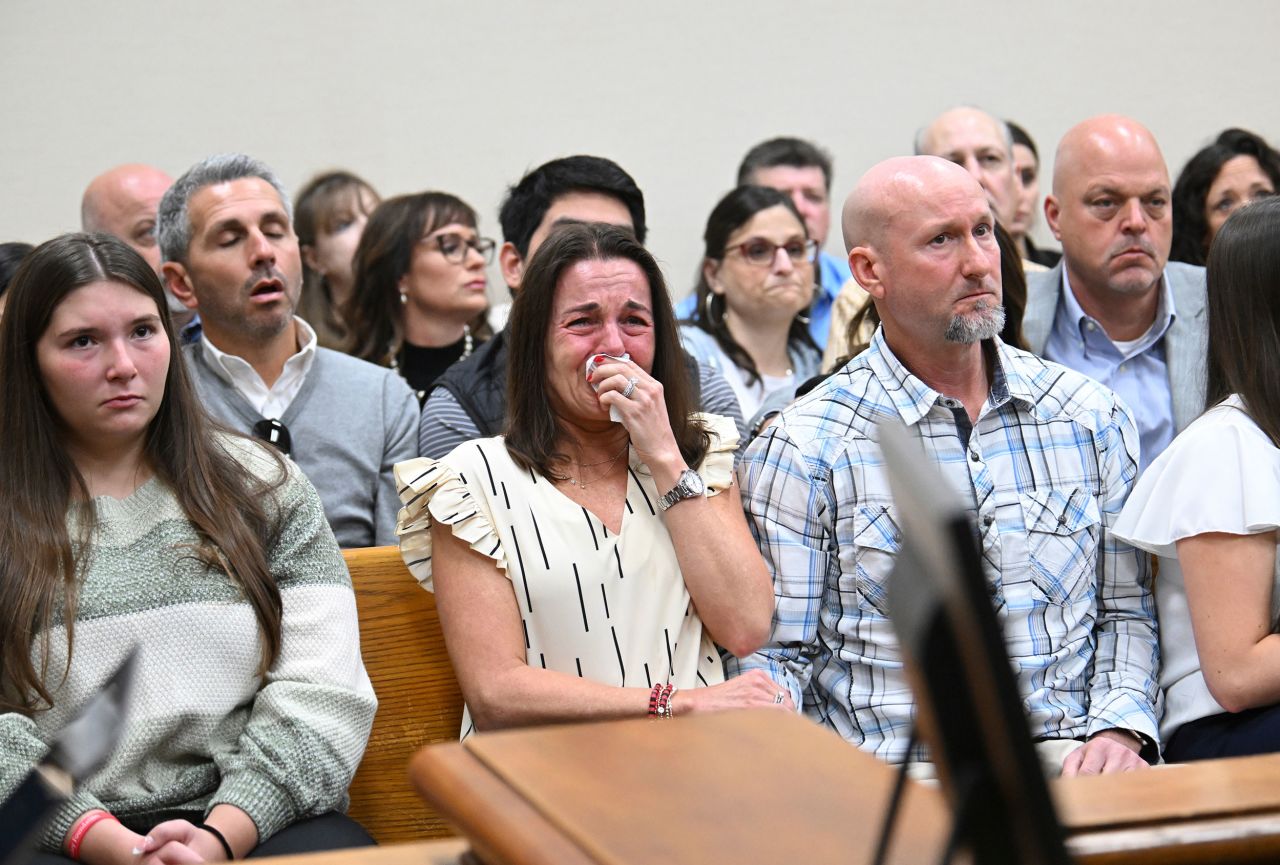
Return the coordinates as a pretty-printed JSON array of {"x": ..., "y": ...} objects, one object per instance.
[{"x": 693, "y": 482}]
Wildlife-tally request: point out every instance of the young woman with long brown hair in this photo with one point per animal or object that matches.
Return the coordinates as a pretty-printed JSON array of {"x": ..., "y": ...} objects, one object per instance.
[
  {"x": 1209, "y": 506},
  {"x": 128, "y": 520}
]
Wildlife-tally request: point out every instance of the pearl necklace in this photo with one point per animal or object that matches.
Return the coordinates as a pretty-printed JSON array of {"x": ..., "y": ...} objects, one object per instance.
[{"x": 468, "y": 344}]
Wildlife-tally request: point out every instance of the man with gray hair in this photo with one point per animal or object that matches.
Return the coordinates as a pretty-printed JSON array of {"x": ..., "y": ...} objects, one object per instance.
[
  {"x": 1044, "y": 456},
  {"x": 226, "y": 234}
]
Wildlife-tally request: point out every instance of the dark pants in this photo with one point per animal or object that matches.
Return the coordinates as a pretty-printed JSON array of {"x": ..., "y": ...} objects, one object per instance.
[
  {"x": 331, "y": 831},
  {"x": 1254, "y": 731}
]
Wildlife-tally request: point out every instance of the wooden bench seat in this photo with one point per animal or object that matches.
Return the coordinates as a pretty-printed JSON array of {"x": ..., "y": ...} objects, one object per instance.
[{"x": 419, "y": 702}]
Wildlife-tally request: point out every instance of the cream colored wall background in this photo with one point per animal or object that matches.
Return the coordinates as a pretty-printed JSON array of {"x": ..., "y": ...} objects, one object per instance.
[{"x": 465, "y": 96}]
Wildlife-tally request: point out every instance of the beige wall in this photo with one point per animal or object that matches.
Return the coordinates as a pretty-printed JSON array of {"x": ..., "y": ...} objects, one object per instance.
[{"x": 466, "y": 96}]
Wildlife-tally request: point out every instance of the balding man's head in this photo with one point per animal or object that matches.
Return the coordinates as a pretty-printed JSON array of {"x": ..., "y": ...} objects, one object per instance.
[
  {"x": 922, "y": 243},
  {"x": 982, "y": 145},
  {"x": 1110, "y": 207},
  {"x": 123, "y": 202}
]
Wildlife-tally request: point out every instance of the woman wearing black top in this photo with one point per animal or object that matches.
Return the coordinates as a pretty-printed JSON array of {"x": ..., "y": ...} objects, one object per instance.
[{"x": 420, "y": 287}]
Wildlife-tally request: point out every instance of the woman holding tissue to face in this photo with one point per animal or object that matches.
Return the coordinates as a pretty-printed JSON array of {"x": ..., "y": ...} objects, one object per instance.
[{"x": 585, "y": 568}]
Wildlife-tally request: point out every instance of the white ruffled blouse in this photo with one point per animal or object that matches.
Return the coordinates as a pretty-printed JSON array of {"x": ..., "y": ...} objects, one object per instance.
[
  {"x": 1221, "y": 474},
  {"x": 610, "y": 608}
]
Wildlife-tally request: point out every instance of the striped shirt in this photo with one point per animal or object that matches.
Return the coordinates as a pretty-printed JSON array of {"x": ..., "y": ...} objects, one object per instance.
[{"x": 1044, "y": 470}]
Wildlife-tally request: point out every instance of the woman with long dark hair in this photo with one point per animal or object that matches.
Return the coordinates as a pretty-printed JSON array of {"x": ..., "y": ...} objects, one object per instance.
[
  {"x": 128, "y": 520},
  {"x": 1209, "y": 506},
  {"x": 419, "y": 299},
  {"x": 586, "y": 562},
  {"x": 754, "y": 286}
]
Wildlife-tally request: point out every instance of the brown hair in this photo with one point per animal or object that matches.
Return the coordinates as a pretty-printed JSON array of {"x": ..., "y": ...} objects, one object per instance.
[
  {"x": 734, "y": 210},
  {"x": 40, "y": 484},
  {"x": 1244, "y": 314},
  {"x": 533, "y": 430},
  {"x": 373, "y": 314},
  {"x": 324, "y": 199}
]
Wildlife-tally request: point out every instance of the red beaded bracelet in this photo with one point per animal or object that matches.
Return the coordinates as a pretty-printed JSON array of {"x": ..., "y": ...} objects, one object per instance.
[
  {"x": 82, "y": 827},
  {"x": 654, "y": 696},
  {"x": 664, "y": 702}
]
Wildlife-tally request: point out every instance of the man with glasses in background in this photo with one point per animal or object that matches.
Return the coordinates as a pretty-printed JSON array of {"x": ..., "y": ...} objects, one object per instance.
[{"x": 226, "y": 237}]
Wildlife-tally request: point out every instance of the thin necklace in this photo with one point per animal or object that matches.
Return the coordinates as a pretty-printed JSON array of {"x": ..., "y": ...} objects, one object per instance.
[
  {"x": 582, "y": 484},
  {"x": 468, "y": 343}
]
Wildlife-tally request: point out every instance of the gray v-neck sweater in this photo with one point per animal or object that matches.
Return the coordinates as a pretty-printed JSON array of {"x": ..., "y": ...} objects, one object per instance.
[{"x": 350, "y": 423}]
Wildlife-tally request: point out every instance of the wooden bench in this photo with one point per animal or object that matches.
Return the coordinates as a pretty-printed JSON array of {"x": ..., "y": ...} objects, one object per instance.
[{"x": 419, "y": 702}]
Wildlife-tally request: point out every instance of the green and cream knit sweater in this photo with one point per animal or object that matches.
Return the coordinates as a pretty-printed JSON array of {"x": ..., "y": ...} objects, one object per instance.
[{"x": 203, "y": 726}]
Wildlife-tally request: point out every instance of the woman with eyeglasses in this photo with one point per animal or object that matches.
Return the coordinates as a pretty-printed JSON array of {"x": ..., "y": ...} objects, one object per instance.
[
  {"x": 420, "y": 287},
  {"x": 755, "y": 284},
  {"x": 130, "y": 520}
]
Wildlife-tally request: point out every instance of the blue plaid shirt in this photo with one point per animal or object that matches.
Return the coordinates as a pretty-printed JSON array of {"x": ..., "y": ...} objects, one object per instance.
[{"x": 1045, "y": 470}]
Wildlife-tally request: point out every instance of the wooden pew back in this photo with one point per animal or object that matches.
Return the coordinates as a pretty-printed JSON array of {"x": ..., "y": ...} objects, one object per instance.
[{"x": 419, "y": 702}]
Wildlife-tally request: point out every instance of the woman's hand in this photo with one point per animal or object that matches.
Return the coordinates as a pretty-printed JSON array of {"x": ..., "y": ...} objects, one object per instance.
[
  {"x": 753, "y": 689},
  {"x": 109, "y": 843},
  {"x": 643, "y": 412},
  {"x": 178, "y": 842}
]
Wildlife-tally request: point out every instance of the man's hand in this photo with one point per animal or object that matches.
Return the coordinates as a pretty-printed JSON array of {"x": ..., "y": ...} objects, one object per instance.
[{"x": 1108, "y": 751}]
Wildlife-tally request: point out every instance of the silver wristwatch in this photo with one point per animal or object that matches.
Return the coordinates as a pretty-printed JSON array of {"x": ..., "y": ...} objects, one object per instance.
[{"x": 689, "y": 485}]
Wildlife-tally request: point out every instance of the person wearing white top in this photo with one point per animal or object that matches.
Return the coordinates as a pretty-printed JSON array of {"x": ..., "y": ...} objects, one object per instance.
[
  {"x": 586, "y": 567},
  {"x": 1209, "y": 506}
]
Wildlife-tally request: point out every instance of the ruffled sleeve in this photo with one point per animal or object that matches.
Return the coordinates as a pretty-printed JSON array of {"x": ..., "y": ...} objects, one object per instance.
[
  {"x": 1222, "y": 474},
  {"x": 717, "y": 466},
  {"x": 434, "y": 490}
]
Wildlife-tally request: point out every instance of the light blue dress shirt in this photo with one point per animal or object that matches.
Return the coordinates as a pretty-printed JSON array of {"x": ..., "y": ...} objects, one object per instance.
[{"x": 1139, "y": 375}]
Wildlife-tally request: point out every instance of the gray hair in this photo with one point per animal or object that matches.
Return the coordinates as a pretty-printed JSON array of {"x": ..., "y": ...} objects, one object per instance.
[
  {"x": 919, "y": 143},
  {"x": 173, "y": 220}
]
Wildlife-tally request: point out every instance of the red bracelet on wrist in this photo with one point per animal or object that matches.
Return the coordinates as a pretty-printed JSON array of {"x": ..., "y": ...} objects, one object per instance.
[
  {"x": 663, "y": 709},
  {"x": 82, "y": 827}
]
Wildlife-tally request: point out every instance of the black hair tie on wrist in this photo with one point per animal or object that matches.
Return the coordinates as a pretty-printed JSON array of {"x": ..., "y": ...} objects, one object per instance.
[{"x": 222, "y": 839}]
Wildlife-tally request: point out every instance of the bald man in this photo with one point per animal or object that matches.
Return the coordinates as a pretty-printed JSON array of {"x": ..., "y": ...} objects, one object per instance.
[
  {"x": 1045, "y": 457},
  {"x": 1115, "y": 308},
  {"x": 123, "y": 202},
  {"x": 982, "y": 145}
]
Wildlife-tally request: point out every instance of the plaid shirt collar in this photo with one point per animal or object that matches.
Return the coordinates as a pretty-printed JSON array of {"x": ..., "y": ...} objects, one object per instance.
[{"x": 913, "y": 399}]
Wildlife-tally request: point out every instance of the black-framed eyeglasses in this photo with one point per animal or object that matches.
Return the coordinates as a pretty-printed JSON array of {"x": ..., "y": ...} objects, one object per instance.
[
  {"x": 273, "y": 432},
  {"x": 454, "y": 246},
  {"x": 761, "y": 252}
]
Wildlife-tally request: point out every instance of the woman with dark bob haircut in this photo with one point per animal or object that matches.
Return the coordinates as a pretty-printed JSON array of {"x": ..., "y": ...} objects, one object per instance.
[
  {"x": 128, "y": 520},
  {"x": 1237, "y": 168},
  {"x": 1209, "y": 506},
  {"x": 419, "y": 299},
  {"x": 586, "y": 563}
]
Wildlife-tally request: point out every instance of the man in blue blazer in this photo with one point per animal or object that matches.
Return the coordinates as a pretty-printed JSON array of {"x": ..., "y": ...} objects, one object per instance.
[{"x": 1115, "y": 308}]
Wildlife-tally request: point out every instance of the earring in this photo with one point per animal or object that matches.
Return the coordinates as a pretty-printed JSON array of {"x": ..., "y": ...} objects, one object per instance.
[
  {"x": 804, "y": 317},
  {"x": 404, "y": 298},
  {"x": 710, "y": 312}
]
